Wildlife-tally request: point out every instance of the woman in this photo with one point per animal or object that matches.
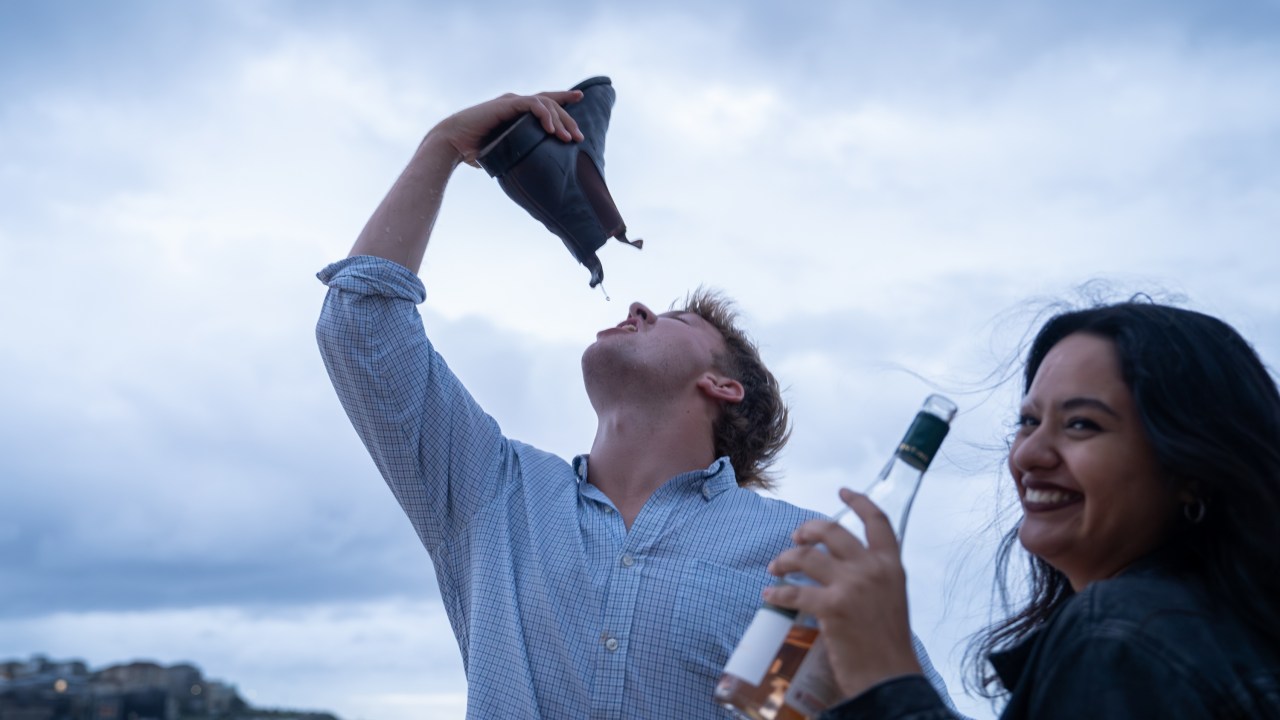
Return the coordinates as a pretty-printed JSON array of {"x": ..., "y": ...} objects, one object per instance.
[{"x": 1147, "y": 463}]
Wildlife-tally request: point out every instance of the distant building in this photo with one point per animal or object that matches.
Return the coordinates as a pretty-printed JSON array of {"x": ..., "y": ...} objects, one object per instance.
[{"x": 41, "y": 689}]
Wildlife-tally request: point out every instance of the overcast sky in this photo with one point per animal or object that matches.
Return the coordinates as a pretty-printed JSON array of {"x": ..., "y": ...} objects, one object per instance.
[{"x": 889, "y": 189}]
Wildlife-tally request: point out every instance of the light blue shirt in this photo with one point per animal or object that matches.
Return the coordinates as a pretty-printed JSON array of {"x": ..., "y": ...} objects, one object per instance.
[{"x": 559, "y": 610}]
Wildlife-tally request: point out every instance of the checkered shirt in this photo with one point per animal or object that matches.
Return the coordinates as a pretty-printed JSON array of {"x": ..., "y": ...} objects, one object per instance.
[{"x": 559, "y": 610}]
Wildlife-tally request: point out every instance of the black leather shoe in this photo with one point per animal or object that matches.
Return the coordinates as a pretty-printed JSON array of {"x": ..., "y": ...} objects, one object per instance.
[{"x": 562, "y": 183}]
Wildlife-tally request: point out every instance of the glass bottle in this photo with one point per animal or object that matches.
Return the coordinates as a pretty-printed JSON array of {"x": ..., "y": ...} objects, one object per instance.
[{"x": 773, "y": 673}]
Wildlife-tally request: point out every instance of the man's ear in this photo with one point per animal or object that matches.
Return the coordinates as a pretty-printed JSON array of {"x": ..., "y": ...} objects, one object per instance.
[{"x": 721, "y": 388}]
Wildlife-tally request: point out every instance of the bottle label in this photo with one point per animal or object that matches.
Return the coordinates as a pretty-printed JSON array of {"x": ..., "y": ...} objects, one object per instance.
[
  {"x": 922, "y": 440},
  {"x": 759, "y": 645},
  {"x": 813, "y": 689}
]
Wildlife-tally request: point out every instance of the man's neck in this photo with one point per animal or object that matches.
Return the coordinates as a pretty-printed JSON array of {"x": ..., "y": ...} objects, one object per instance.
[{"x": 637, "y": 450}]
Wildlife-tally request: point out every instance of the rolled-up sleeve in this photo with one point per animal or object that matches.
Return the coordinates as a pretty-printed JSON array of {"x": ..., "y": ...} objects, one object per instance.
[{"x": 439, "y": 452}]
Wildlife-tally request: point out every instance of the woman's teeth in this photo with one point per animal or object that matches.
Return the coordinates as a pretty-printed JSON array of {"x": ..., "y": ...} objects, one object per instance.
[{"x": 1046, "y": 496}]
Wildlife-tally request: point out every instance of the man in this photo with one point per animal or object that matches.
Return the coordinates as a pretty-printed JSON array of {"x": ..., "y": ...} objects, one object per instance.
[{"x": 612, "y": 586}]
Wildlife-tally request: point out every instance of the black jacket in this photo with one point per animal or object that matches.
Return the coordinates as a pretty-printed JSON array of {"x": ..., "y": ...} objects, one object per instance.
[{"x": 1141, "y": 645}]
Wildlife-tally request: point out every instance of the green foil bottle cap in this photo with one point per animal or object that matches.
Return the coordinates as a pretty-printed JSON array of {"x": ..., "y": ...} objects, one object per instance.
[{"x": 927, "y": 431}]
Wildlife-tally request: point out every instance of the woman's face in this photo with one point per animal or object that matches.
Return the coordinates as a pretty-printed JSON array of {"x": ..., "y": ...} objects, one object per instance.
[{"x": 1093, "y": 497}]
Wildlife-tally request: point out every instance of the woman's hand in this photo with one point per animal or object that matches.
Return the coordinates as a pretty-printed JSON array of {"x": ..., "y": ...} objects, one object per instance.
[
  {"x": 860, "y": 599},
  {"x": 466, "y": 130}
]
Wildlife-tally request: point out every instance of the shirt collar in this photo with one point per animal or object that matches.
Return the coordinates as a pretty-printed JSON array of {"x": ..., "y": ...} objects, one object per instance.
[
  {"x": 711, "y": 481},
  {"x": 718, "y": 477}
]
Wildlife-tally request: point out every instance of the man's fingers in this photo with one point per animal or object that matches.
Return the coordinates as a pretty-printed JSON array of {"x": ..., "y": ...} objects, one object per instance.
[
  {"x": 540, "y": 107},
  {"x": 548, "y": 108},
  {"x": 570, "y": 125},
  {"x": 467, "y": 130},
  {"x": 563, "y": 97}
]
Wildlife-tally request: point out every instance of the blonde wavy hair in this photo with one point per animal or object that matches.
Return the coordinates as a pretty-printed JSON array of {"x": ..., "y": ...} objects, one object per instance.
[{"x": 753, "y": 432}]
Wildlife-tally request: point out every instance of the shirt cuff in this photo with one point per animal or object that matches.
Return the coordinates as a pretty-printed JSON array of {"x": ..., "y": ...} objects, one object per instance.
[
  {"x": 370, "y": 275},
  {"x": 909, "y": 697}
]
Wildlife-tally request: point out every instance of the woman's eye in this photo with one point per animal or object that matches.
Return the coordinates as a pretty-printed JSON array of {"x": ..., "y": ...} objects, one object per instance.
[
  {"x": 1027, "y": 421},
  {"x": 1082, "y": 424}
]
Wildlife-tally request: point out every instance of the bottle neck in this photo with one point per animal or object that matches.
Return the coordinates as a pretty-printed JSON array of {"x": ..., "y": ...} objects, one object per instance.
[{"x": 922, "y": 440}]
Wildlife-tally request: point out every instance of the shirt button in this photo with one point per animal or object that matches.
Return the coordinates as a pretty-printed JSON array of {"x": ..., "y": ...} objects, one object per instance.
[
  {"x": 608, "y": 510},
  {"x": 628, "y": 561},
  {"x": 611, "y": 644},
  {"x": 706, "y": 492}
]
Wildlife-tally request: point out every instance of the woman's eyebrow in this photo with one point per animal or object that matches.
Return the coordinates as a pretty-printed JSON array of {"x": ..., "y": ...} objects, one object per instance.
[{"x": 1079, "y": 402}]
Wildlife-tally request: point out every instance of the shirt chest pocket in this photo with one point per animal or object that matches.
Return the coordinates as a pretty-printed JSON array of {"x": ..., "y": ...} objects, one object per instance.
[{"x": 715, "y": 603}]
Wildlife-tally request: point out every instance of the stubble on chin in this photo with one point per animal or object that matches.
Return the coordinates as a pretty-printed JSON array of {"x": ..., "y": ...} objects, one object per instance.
[
  {"x": 607, "y": 362},
  {"x": 615, "y": 372},
  {"x": 598, "y": 368}
]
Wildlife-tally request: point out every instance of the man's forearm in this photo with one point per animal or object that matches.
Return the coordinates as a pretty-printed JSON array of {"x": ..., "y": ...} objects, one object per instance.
[{"x": 401, "y": 226}]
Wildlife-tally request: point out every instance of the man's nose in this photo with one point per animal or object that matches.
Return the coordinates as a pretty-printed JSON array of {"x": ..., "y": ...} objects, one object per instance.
[{"x": 641, "y": 312}]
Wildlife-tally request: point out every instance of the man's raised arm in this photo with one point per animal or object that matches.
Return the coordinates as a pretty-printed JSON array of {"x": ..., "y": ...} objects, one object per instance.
[{"x": 400, "y": 227}]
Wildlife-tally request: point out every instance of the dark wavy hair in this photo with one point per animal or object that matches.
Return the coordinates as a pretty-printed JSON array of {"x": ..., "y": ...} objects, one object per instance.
[
  {"x": 752, "y": 432},
  {"x": 1212, "y": 412}
]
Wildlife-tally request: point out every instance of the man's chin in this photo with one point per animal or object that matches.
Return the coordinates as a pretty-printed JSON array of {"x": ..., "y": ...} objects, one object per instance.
[{"x": 605, "y": 358}]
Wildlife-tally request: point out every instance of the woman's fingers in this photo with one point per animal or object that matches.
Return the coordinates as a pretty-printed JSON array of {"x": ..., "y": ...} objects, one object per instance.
[
  {"x": 813, "y": 599},
  {"x": 878, "y": 528},
  {"x": 809, "y": 560},
  {"x": 858, "y": 595},
  {"x": 839, "y": 565}
]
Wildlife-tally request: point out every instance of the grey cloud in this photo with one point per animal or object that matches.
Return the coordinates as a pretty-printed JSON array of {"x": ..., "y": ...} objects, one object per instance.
[
  {"x": 876, "y": 185},
  {"x": 149, "y": 484},
  {"x": 186, "y": 493},
  {"x": 110, "y": 521}
]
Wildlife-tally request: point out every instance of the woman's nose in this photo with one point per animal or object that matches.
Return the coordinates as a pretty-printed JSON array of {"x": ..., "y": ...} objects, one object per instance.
[{"x": 1033, "y": 451}]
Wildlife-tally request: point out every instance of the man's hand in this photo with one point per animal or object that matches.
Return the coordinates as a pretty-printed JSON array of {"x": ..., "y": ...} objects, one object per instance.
[
  {"x": 466, "y": 130},
  {"x": 400, "y": 227}
]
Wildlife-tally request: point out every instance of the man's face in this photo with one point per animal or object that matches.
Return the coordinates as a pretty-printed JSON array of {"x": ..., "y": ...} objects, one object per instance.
[{"x": 663, "y": 351}]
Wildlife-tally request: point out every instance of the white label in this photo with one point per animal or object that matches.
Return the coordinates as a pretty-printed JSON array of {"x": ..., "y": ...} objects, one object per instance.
[
  {"x": 814, "y": 688},
  {"x": 759, "y": 646}
]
